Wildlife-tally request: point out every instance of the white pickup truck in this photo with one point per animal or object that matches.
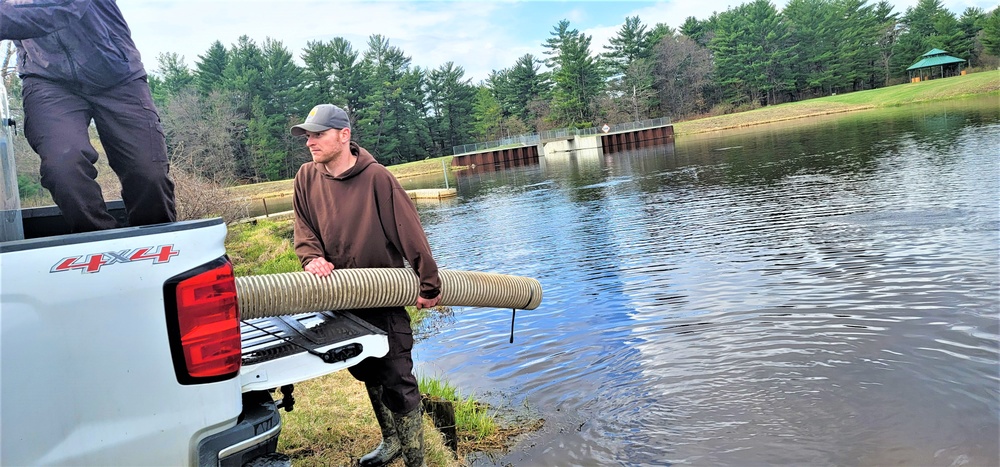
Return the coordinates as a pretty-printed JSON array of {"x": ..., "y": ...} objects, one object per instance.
[{"x": 125, "y": 346}]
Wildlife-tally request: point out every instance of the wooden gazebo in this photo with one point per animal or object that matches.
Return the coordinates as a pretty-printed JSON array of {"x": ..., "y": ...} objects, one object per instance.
[{"x": 935, "y": 60}]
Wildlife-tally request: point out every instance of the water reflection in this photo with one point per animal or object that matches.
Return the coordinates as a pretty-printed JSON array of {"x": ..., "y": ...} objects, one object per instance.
[{"x": 820, "y": 294}]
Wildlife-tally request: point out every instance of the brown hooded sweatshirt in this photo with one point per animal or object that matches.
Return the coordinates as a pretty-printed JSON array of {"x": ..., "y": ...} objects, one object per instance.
[{"x": 362, "y": 218}]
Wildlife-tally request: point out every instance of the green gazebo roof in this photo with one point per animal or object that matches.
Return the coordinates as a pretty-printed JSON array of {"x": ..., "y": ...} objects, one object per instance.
[{"x": 935, "y": 57}]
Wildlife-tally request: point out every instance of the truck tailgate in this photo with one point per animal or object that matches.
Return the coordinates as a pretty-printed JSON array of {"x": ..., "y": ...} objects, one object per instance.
[{"x": 290, "y": 349}]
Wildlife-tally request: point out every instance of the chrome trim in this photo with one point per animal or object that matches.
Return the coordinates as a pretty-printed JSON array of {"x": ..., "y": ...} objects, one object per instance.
[{"x": 251, "y": 442}]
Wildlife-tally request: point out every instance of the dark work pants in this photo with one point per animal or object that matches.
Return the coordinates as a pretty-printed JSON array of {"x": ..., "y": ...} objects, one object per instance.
[
  {"x": 394, "y": 371},
  {"x": 56, "y": 122}
]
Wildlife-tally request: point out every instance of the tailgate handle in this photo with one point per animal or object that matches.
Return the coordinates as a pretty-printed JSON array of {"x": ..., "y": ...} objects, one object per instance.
[
  {"x": 342, "y": 353},
  {"x": 334, "y": 355}
]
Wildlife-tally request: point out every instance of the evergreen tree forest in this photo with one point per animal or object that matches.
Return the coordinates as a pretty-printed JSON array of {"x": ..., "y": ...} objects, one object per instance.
[{"x": 227, "y": 115}]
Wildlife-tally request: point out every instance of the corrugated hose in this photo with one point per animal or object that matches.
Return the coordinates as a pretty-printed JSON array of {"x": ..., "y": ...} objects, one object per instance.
[{"x": 270, "y": 295}]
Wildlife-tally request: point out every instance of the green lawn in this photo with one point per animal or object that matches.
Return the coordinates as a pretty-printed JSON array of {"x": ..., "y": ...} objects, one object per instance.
[{"x": 985, "y": 83}]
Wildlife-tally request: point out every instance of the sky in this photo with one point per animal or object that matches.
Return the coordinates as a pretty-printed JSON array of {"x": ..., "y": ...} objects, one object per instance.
[{"x": 480, "y": 36}]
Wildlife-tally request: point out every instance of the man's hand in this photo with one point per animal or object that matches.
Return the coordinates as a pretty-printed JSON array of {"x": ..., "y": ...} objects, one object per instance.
[
  {"x": 427, "y": 302},
  {"x": 319, "y": 266}
]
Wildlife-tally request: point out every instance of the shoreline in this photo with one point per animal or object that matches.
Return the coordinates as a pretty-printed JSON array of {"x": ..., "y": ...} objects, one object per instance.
[{"x": 764, "y": 121}]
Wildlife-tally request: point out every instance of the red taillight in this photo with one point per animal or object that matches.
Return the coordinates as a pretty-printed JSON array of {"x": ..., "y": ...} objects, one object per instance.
[{"x": 209, "y": 323}]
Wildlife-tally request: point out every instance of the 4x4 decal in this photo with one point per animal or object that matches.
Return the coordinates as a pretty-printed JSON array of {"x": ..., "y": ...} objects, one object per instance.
[{"x": 93, "y": 262}]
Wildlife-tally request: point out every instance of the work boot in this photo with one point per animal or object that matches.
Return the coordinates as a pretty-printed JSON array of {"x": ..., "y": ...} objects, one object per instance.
[
  {"x": 410, "y": 428},
  {"x": 389, "y": 448}
]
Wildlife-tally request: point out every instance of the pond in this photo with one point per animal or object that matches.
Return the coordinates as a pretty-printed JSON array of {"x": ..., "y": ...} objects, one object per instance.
[{"x": 823, "y": 292}]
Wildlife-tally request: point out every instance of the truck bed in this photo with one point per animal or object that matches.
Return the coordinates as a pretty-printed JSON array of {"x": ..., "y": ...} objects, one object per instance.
[{"x": 47, "y": 221}]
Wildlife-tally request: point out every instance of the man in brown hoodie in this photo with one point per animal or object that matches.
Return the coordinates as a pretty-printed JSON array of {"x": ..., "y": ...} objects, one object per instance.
[{"x": 350, "y": 212}]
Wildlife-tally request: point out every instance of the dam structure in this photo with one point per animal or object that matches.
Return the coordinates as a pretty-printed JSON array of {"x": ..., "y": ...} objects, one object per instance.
[{"x": 526, "y": 149}]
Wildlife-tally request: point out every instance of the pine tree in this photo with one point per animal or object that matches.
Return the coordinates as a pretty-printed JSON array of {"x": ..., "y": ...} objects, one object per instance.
[
  {"x": 451, "y": 98},
  {"x": 319, "y": 72},
  {"x": 210, "y": 67},
  {"x": 629, "y": 55},
  {"x": 488, "y": 115},
  {"x": 752, "y": 54},
  {"x": 577, "y": 76},
  {"x": 175, "y": 73},
  {"x": 528, "y": 84},
  {"x": 991, "y": 32},
  {"x": 630, "y": 44},
  {"x": 810, "y": 24},
  {"x": 391, "y": 113},
  {"x": 281, "y": 96}
]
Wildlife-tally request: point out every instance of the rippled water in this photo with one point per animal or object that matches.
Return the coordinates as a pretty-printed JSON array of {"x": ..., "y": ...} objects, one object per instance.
[{"x": 818, "y": 294}]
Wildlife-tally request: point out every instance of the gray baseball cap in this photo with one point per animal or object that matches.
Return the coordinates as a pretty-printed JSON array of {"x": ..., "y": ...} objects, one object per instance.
[{"x": 322, "y": 118}]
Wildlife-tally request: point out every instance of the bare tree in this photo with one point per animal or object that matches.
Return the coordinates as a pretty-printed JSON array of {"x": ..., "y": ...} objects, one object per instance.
[
  {"x": 682, "y": 75},
  {"x": 200, "y": 135},
  {"x": 198, "y": 198},
  {"x": 890, "y": 35},
  {"x": 611, "y": 110}
]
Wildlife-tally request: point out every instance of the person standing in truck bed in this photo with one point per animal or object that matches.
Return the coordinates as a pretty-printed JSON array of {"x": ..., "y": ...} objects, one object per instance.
[
  {"x": 78, "y": 63},
  {"x": 350, "y": 212}
]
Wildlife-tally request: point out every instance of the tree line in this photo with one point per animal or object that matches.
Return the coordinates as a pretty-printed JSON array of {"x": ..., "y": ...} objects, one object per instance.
[{"x": 227, "y": 118}]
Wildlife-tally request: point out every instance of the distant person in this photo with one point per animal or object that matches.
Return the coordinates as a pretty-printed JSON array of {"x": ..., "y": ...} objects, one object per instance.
[
  {"x": 77, "y": 63},
  {"x": 350, "y": 212}
]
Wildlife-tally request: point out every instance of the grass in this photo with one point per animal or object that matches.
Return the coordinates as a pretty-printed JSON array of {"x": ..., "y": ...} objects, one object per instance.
[
  {"x": 332, "y": 423},
  {"x": 263, "y": 190},
  {"x": 424, "y": 167},
  {"x": 478, "y": 429},
  {"x": 984, "y": 83},
  {"x": 262, "y": 247},
  {"x": 285, "y": 187},
  {"x": 987, "y": 82},
  {"x": 471, "y": 415}
]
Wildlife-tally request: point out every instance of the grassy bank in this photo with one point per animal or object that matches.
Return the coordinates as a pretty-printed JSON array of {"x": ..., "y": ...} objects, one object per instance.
[
  {"x": 986, "y": 84},
  {"x": 285, "y": 188},
  {"x": 333, "y": 423}
]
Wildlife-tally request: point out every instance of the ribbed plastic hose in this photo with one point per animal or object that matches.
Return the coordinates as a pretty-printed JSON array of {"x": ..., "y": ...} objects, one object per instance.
[{"x": 348, "y": 289}]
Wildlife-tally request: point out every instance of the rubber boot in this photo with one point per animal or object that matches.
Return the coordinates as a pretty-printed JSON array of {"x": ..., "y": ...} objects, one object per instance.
[
  {"x": 410, "y": 428},
  {"x": 389, "y": 449}
]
